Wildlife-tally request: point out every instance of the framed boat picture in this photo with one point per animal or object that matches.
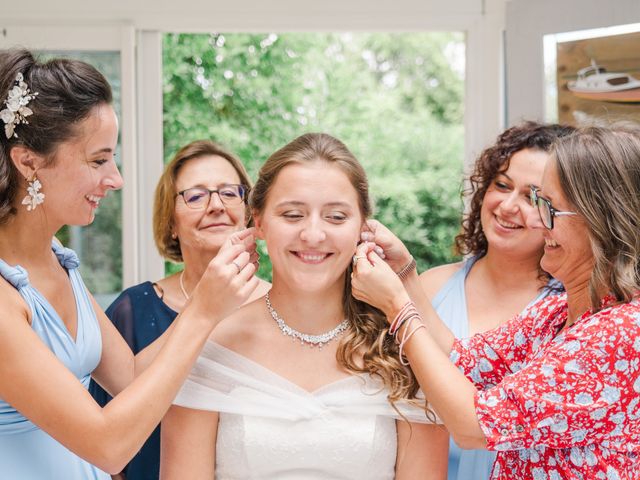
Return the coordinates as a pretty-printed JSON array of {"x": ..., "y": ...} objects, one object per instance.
[{"x": 597, "y": 77}]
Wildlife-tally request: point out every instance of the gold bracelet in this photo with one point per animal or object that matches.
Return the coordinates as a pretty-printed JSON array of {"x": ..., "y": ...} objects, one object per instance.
[{"x": 407, "y": 269}]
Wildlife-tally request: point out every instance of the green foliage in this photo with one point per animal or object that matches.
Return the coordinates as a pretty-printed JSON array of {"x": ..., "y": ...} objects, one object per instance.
[{"x": 396, "y": 100}]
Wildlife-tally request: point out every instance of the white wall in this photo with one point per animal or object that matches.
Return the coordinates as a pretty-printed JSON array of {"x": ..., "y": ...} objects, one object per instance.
[
  {"x": 250, "y": 14},
  {"x": 527, "y": 22}
]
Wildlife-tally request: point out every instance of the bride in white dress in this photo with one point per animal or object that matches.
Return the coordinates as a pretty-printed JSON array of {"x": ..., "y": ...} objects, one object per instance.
[{"x": 305, "y": 383}]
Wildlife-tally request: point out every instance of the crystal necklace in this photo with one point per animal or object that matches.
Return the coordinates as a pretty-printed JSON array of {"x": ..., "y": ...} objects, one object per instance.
[{"x": 312, "y": 340}]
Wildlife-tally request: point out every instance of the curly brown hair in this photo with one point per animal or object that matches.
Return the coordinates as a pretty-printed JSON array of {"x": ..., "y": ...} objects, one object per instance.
[{"x": 492, "y": 161}]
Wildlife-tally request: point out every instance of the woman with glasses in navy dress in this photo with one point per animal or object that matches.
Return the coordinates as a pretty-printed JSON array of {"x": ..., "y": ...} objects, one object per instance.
[{"x": 200, "y": 200}]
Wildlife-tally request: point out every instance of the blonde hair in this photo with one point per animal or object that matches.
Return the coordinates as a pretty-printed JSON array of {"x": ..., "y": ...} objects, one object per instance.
[
  {"x": 365, "y": 347},
  {"x": 599, "y": 170},
  {"x": 165, "y": 196}
]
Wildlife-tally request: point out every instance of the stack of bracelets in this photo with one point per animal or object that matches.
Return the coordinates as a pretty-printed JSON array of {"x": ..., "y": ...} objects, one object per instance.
[{"x": 405, "y": 317}]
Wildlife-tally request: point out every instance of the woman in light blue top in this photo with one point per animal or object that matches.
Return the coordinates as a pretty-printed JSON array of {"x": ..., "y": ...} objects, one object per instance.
[
  {"x": 502, "y": 275},
  {"x": 19, "y": 437},
  {"x": 57, "y": 145}
]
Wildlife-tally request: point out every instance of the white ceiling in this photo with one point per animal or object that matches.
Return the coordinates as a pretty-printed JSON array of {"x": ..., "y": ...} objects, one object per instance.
[{"x": 238, "y": 15}]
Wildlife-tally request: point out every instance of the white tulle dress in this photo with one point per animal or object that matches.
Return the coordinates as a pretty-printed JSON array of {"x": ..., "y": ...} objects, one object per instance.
[{"x": 269, "y": 428}]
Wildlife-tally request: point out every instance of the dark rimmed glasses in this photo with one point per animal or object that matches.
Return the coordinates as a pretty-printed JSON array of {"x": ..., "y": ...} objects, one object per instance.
[
  {"x": 545, "y": 209},
  {"x": 198, "y": 197}
]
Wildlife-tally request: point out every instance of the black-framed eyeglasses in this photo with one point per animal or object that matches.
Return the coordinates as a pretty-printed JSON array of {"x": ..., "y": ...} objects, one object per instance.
[
  {"x": 545, "y": 209},
  {"x": 198, "y": 197}
]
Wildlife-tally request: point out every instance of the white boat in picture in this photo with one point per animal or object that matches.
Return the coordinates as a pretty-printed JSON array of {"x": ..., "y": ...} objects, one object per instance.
[{"x": 595, "y": 83}]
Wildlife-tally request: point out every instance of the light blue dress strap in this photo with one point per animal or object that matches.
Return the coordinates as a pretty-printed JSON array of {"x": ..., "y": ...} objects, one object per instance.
[
  {"x": 67, "y": 257},
  {"x": 16, "y": 276},
  {"x": 451, "y": 302}
]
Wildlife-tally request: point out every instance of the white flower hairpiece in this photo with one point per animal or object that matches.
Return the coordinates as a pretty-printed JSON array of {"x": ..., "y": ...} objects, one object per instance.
[{"x": 16, "y": 102}]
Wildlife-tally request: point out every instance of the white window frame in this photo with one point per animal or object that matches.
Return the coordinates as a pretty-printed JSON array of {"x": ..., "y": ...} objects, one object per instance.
[{"x": 139, "y": 41}]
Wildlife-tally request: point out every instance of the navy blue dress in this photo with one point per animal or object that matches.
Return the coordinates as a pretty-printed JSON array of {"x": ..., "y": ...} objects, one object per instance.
[{"x": 141, "y": 317}]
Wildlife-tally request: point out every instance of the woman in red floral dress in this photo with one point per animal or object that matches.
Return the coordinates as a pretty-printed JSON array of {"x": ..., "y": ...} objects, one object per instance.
[{"x": 556, "y": 391}]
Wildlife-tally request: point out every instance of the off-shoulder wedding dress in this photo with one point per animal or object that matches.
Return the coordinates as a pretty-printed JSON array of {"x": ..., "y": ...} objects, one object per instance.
[{"x": 270, "y": 428}]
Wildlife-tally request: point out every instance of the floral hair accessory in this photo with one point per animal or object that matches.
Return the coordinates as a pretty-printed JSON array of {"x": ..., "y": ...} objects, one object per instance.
[{"x": 16, "y": 102}]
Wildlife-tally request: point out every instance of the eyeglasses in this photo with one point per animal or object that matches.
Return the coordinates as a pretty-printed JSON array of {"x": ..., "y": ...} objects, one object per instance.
[
  {"x": 545, "y": 210},
  {"x": 198, "y": 197}
]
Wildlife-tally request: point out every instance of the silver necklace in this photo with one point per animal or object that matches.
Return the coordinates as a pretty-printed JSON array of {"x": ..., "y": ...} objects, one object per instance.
[
  {"x": 184, "y": 292},
  {"x": 312, "y": 340}
]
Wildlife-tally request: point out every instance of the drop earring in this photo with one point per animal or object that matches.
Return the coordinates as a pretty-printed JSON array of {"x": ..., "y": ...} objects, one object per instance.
[{"x": 33, "y": 197}]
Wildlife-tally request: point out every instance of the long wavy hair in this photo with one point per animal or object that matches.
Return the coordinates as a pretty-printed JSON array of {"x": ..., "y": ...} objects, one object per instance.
[
  {"x": 365, "y": 347},
  {"x": 599, "y": 171}
]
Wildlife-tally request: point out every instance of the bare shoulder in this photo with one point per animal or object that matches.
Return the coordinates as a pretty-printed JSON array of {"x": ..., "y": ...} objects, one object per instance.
[
  {"x": 434, "y": 279},
  {"x": 164, "y": 283},
  {"x": 244, "y": 329},
  {"x": 13, "y": 305}
]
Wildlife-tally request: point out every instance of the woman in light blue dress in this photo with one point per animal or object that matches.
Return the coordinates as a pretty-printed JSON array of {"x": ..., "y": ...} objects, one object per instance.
[
  {"x": 502, "y": 275},
  {"x": 57, "y": 142},
  {"x": 19, "y": 437}
]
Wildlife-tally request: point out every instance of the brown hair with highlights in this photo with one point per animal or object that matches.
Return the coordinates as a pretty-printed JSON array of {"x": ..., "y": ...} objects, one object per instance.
[
  {"x": 366, "y": 347},
  {"x": 599, "y": 171},
  {"x": 164, "y": 203}
]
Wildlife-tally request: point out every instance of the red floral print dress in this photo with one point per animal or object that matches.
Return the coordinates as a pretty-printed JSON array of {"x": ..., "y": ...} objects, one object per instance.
[{"x": 559, "y": 405}]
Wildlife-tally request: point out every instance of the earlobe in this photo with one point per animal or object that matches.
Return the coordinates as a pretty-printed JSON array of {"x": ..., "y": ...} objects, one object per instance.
[{"x": 257, "y": 223}]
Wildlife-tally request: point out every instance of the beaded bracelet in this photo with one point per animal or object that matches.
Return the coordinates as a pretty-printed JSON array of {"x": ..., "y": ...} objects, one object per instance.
[{"x": 404, "y": 272}]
